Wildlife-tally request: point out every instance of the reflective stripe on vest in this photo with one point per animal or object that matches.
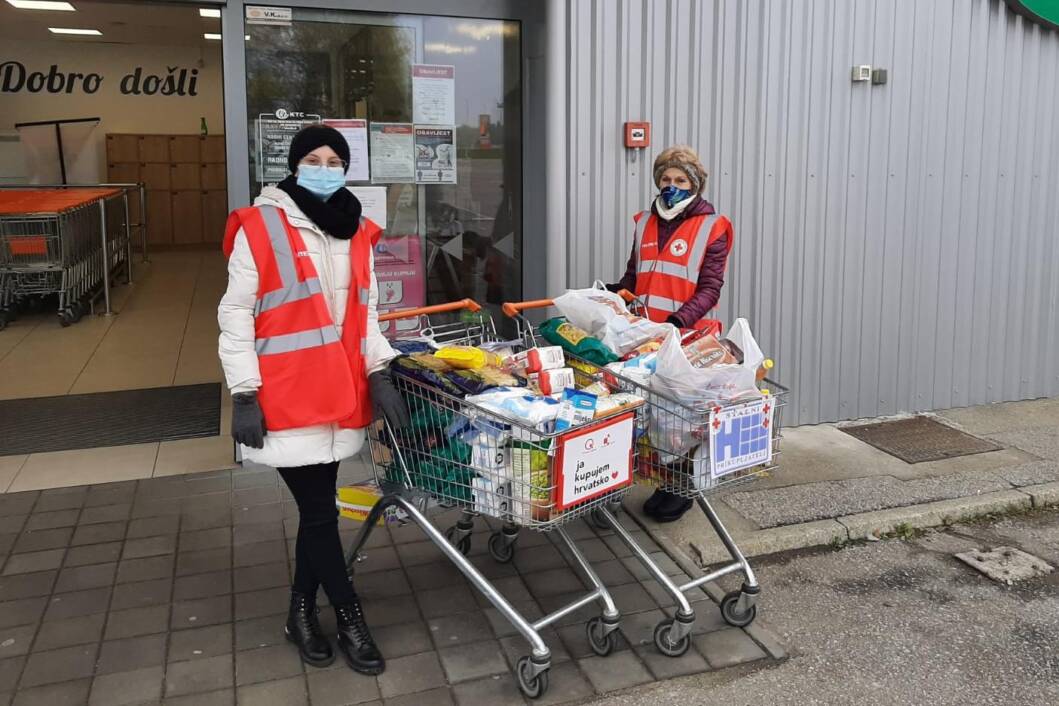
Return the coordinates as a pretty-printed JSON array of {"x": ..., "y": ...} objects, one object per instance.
[
  {"x": 277, "y": 235},
  {"x": 294, "y": 293},
  {"x": 290, "y": 342},
  {"x": 655, "y": 301}
]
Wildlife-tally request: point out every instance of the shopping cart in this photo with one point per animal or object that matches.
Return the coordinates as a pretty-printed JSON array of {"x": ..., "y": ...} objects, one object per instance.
[
  {"x": 66, "y": 242},
  {"x": 677, "y": 451},
  {"x": 457, "y": 454}
]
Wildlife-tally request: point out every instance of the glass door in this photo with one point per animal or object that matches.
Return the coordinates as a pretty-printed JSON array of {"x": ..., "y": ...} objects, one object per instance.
[{"x": 431, "y": 107}]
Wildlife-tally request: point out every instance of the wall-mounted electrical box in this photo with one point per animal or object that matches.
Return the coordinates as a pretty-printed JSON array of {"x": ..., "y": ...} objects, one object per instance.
[
  {"x": 861, "y": 73},
  {"x": 637, "y": 135}
]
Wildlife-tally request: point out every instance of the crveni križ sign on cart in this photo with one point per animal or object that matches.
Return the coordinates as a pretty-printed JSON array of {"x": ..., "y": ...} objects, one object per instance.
[{"x": 594, "y": 460}]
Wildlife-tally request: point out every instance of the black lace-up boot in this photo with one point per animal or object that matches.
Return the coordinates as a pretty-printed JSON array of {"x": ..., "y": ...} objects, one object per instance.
[
  {"x": 355, "y": 641},
  {"x": 303, "y": 629}
]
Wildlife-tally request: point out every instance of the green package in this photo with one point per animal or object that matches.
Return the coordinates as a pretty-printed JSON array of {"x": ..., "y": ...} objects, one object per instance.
[{"x": 560, "y": 332}]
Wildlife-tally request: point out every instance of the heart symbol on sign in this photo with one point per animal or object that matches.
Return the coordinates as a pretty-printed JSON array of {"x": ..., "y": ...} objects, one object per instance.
[{"x": 614, "y": 475}]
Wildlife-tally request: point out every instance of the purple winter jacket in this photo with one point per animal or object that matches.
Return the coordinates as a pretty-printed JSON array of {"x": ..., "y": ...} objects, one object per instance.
[{"x": 711, "y": 274}]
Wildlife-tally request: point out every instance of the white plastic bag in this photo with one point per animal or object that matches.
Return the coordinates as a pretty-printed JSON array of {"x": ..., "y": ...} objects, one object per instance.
[
  {"x": 603, "y": 314},
  {"x": 739, "y": 334}
]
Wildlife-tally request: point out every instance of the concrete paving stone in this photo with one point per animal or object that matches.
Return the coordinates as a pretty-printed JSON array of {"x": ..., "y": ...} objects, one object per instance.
[
  {"x": 445, "y": 601},
  {"x": 434, "y": 697},
  {"x": 127, "y": 688},
  {"x": 285, "y": 692},
  {"x": 566, "y": 683},
  {"x": 210, "y": 674},
  {"x": 515, "y": 647},
  {"x": 142, "y": 594},
  {"x": 343, "y": 687},
  {"x": 253, "y": 514},
  {"x": 67, "y": 633},
  {"x": 77, "y": 603},
  {"x": 225, "y": 697},
  {"x": 400, "y": 609},
  {"x": 259, "y": 553},
  {"x": 198, "y": 486},
  {"x": 380, "y": 584},
  {"x": 665, "y": 562},
  {"x": 201, "y": 612},
  {"x": 553, "y": 582},
  {"x": 10, "y": 670},
  {"x": 497, "y": 690},
  {"x": 727, "y": 648},
  {"x": 153, "y": 527},
  {"x": 134, "y": 622},
  {"x": 1043, "y": 495},
  {"x": 262, "y": 632},
  {"x": 619, "y": 670},
  {"x": 632, "y": 598},
  {"x": 408, "y": 675},
  {"x": 266, "y": 664},
  {"x": 27, "y": 585},
  {"x": 149, "y": 546},
  {"x": 32, "y": 562},
  {"x": 933, "y": 514},
  {"x": 502, "y": 627},
  {"x": 575, "y": 640},
  {"x": 201, "y": 519},
  {"x": 537, "y": 558},
  {"x": 403, "y": 639},
  {"x": 81, "y": 578},
  {"x": 12, "y": 524},
  {"x": 42, "y": 539},
  {"x": 22, "y": 612},
  {"x": 131, "y": 653},
  {"x": 256, "y": 604},
  {"x": 18, "y": 503},
  {"x": 200, "y": 643},
  {"x": 197, "y": 540},
  {"x": 149, "y": 569},
  {"x": 215, "y": 583},
  {"x": 595, "y": 550},
  {"x": 260, "y": 532},
  {"x": 154, "y": 507},
  {"x": 16, "y": 641},
  {"x": 93, "y": 554},
  {"x": 105, "y": 513},
  {"x": 663, "y": 667},
  {"x": 459, "y": 629},
  {"x": 377, "y": 559},
  {"x": 491, "y": 569},
  {"x": 613, "y": 573},
  {"x": 61, "y": 499},
  {"x": 551, "y": 604},
  {"x": 416, "y": 553},
  {"x": 254, "y": 478},
  {"x": 262, "y": 576},
  {"x": 59, "y": 665},
  {"x": 202, "y": 562},
  {"x": 634, "y": 567},
  {"x": 51, "y": 520},
  {"x": 95, "y": 534},
  {"x": 263, "y": 495},
  {"x": 71, "y": 693},
  {"x": 7, "y": 541},
  {"x": 513, "y": 588},
  {"x": 110, "y": 493},
  {"x": 429, "y": 576},
  {"x": 638, "y": 628}
]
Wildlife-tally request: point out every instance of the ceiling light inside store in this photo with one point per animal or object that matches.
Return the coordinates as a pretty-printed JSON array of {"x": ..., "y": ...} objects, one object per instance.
[
  {"x": 41, "y": 5},
  {"x": 445, "y": 48},
  {"x": 210, "y": 35},
  {"x": 67, "y": 30},
  {"x": 209, "y": 12}
]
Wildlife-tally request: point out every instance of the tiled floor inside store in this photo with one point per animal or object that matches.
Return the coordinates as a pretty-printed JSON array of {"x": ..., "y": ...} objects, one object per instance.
[{"x": 172, "y": 590}]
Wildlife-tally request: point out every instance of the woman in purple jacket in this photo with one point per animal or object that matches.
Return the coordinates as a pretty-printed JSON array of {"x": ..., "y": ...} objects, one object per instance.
[{"x": 677, "y": 264}]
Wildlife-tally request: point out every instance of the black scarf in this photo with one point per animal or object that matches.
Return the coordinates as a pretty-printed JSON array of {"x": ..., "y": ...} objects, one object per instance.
[{"x": 338, "y": 216}]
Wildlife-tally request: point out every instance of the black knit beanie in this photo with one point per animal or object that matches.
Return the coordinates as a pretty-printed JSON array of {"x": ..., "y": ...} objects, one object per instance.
[{"x": 313, "y": 136}]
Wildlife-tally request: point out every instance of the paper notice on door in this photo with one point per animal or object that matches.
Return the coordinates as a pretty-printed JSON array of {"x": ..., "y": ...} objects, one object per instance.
[
  {"x": 275, "y": 131},
  {"x": 372, "y": 203},
  {"x": 435, "y": 155},
  {"x": 356, "y": 134},
  {"x": 433, "y": 94},
  {"x": 392, "y": 153}
]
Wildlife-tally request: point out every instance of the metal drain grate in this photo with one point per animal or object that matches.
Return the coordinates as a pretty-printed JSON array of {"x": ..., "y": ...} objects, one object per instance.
[
  {"x": 919, "y": 439},
  {"x": 41, "y": 424}
]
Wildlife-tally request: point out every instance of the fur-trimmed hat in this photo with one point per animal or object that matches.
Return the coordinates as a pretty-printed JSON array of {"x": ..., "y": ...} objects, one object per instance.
[{"x": 684, "y": 158}]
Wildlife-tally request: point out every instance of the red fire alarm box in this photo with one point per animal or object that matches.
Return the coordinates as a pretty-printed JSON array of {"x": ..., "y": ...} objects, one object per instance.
[{"x": 637, "y": 134}]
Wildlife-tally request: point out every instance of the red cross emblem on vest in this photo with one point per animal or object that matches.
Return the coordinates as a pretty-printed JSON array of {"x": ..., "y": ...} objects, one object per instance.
[{"x": 679, "y": 247}]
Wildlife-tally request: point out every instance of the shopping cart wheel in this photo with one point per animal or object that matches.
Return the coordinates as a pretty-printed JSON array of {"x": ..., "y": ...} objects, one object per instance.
[
  {"x": 463, "y": 544},
  {"x": 665, "y": 645},
  {"x": 596, "y": 519},
  {"x": 532, "y": 687},
  {"x": 601, "y": 641},
  {"x": 501, "y": 548},
  {"x": 731, "y": 613}
]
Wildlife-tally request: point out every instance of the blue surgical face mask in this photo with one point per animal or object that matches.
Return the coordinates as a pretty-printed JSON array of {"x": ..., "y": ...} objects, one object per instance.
[
  {"x": 672, "y": 195},
  {"x": 321, "y": 181}
]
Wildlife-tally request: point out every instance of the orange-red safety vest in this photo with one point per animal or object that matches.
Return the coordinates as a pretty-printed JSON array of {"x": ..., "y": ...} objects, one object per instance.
[
  {"x": 666, "y": 280},
  {"x": 308, "y": 374}
]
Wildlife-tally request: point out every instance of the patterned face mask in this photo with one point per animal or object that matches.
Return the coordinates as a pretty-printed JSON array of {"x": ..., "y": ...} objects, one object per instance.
[{"x": 672, "y": 195}]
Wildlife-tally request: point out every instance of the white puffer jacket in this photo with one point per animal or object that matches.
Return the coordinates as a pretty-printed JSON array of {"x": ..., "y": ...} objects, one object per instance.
[{"x": 316, "y": 444}]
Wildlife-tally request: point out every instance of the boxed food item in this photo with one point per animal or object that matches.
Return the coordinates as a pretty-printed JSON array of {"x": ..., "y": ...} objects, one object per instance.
[
  {"x": 617, "y": 403},
  {"x": 550, "y": 382},
  {"x": 576, "y": 408},
  {"x": 535, "y": 360},
  {"x": 530, "y": 488}
]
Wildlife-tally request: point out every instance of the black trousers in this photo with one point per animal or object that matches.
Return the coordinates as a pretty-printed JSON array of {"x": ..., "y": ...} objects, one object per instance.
[{"x": 318, "y": 553}]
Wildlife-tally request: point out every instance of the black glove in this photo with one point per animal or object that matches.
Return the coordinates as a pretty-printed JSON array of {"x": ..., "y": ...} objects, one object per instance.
[
  {"x": 672, "y": 319},
  {"x": 387, "y": 401},
  {"x": 615, "y": 288},
  {"x": 248, "y": 422}
]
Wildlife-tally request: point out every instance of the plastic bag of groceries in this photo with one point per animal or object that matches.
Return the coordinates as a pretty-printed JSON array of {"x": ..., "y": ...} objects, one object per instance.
[
  {"x": 603, "y": 314},
  {"x": 676, "y": 426}
]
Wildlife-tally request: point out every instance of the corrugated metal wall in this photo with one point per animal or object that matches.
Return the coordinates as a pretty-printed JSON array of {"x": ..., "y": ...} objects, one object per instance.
[{"x": 895, "y": 245}]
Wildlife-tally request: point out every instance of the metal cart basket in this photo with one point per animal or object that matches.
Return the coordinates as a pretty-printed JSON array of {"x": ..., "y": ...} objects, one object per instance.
[
  {"x": 677, "y": 451},
  {"x": 469, "y": 456}
]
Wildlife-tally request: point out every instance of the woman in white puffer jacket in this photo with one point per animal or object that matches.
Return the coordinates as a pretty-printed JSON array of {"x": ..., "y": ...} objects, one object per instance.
[{"x": 306, "y": 362}]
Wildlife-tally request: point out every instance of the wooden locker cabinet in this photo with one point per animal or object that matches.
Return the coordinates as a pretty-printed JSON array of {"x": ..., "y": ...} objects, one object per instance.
[
  {"x": 159, "y": 218},
  {"x": 214, "y": 215},
  {"x": 187, "y": 217}
]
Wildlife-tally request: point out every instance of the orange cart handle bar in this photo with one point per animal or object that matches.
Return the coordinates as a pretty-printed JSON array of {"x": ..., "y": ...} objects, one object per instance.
[
  {"x": 463, "y": 304},
  {"x": 513, "y": 309}
]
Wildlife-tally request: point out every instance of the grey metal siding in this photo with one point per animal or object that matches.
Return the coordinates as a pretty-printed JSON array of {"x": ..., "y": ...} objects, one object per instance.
[{"x": 895, "y": 245}]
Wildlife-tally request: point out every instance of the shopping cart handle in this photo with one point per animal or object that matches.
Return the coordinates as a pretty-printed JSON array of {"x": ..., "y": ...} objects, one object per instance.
[
  {"x": 626, "y": 295},
  {"x": 513, "y": 309},
  {"x": 463, "y": 304}
]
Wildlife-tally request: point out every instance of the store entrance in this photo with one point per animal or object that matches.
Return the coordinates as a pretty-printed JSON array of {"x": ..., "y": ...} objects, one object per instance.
[
  {"x": 119, "y": 95},
  {"x": 431, "y": 107}
]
